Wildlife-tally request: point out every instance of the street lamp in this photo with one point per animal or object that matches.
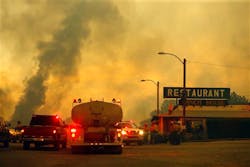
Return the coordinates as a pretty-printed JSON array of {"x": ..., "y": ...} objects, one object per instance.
[
  {"x": 157, "y": 93},
  {"x": 184, "y": 81}
]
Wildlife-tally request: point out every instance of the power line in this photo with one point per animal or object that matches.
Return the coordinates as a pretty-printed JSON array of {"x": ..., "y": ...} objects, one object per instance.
[{"x": 220, "y": 65}]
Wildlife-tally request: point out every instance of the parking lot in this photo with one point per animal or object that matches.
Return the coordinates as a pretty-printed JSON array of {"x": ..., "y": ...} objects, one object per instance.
[{"x": 227, "y": 153}]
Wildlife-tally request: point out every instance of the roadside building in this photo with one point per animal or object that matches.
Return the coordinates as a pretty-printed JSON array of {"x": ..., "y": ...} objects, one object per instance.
[{"x": 209, "y": 122}]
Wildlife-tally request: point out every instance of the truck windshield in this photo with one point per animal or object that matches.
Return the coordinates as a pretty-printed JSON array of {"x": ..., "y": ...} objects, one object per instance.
[{"x": 44, "y": 120}]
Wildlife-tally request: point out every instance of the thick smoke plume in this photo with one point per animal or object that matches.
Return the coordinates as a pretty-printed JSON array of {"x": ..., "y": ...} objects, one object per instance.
[{"x": 60, "y": 57}]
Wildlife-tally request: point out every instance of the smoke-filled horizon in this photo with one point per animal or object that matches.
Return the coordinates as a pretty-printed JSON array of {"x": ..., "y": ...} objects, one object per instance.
[{"x": 55, "y": 51}]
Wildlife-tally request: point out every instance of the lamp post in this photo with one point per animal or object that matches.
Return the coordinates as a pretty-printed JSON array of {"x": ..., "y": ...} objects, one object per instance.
[
  {"x": 157, "y": 93},
  {"x": 184, "y": 81}
]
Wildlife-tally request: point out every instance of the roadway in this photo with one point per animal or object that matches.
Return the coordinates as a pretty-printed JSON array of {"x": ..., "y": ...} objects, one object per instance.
[{"x": 226, "y": 153}]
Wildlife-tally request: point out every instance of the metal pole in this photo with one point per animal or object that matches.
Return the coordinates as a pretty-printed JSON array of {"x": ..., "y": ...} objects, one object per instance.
[
  {"x": 158, "y": 83},
  {"x": 157, "y": 93},
  {"x": 184, "y": 91},
  {"x": 184, "y": 82}
]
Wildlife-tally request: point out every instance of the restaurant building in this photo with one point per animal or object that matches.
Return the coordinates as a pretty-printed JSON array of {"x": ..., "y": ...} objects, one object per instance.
[{"x": 209, "y": 122}]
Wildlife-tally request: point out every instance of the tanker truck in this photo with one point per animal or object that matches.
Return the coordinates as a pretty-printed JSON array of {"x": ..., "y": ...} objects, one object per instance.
[{"x": 93, "y": 129}]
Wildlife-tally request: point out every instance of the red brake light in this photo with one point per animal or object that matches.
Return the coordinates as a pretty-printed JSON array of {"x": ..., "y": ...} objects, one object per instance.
[
  {"x": 73, "y": 130},
  {"x": 54, "y": 131},
  {"x": 73, "y": 135}
]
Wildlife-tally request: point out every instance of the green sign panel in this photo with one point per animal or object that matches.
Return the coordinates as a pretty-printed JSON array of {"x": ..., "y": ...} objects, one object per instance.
[
  {"x": 204, "y": 102},
  {"x": 208, "y": 93}
]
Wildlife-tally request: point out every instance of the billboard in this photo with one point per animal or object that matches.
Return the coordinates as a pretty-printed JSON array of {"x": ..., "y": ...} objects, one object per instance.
[{"x": 197, "y": 93}]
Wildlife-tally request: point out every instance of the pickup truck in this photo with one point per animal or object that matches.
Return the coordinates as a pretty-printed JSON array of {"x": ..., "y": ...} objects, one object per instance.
[{"x": 45, "y": 130}]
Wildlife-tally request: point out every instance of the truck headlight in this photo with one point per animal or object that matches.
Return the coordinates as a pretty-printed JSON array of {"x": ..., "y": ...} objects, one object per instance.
[
  {"x": 124, "y": 132},
  {"x": 141, "y": 132}
]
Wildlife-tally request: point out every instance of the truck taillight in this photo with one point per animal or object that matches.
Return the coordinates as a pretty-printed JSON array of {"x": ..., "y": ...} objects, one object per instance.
[
  {"x": 119, "y": 135},
  {"x": 73, "y": 135},
  {"x": 54, "y": 131},
  {"x": 118, "y": 132},
  {"x": 73, "y": 132},
  {"x": 22, "y": 130}
]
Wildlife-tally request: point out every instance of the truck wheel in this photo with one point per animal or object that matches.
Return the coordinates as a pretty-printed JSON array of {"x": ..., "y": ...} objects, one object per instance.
[
  {"x": 6, "y": 144},
  {"x": 64, "y": 144},
  {"x": 56, "y": 146},
  {"x": 79, "y": 150},
  {"x": 140, "y": 143},
  {"x": 37, "y": 146},
  {"x": 74, "y": 150},
  {"x": 117, "y": 150},
  {"x": 174, "y": 138},
  {"x": 26, "y": 145}
]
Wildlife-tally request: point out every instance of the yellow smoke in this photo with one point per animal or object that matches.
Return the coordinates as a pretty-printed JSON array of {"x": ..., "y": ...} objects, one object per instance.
[{"x": 213, "y": 36}]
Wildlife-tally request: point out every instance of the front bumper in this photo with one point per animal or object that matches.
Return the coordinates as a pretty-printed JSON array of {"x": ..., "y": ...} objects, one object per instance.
[{"x": 132, "y": 138}]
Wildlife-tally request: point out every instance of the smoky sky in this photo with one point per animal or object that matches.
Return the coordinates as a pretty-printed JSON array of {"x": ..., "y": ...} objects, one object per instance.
[
  {"x": 60, "y": 56},
  {"x": 55, "y": 51}
]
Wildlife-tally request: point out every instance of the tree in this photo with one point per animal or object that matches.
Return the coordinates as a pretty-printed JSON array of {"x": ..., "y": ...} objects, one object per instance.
[
  {"x": 165, "y": 105},
  {"x": 237, "y": 99}
]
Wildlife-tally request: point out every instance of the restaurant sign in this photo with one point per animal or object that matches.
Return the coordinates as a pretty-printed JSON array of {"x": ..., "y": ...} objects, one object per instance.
[{"x": 208, "y": 93}]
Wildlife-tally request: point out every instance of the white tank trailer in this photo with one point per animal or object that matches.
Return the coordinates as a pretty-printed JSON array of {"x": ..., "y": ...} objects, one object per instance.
[{"x": 96, "y": 131}]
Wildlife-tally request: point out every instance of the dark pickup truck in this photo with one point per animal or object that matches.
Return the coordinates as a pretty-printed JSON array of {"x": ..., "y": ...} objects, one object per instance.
[{"x": 45, "y": 130}]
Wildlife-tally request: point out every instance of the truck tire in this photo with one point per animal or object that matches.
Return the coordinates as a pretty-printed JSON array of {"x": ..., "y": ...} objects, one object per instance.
[
  {"x": 37, "y": 146},
  {"x": 6, "y": 144},
  {"x": 26, "y": 145},
  {"x": 139, "y": 143},
  {"x": 75, "y": 150},
  {"x": 117, "y": 150},
  {"x": 56, "y": 146},
  {"x": 64, "y": 144},
  {"x": 174, "y": 138},
  {"x": 79, "y": 150}
]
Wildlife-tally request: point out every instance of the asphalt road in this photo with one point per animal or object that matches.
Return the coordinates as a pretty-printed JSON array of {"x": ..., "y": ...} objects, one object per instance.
[{"x": 230, "y": 153}]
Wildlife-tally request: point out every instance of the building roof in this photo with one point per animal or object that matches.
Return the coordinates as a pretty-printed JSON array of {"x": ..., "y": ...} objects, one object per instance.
[{"x": 230, "y": 111}]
